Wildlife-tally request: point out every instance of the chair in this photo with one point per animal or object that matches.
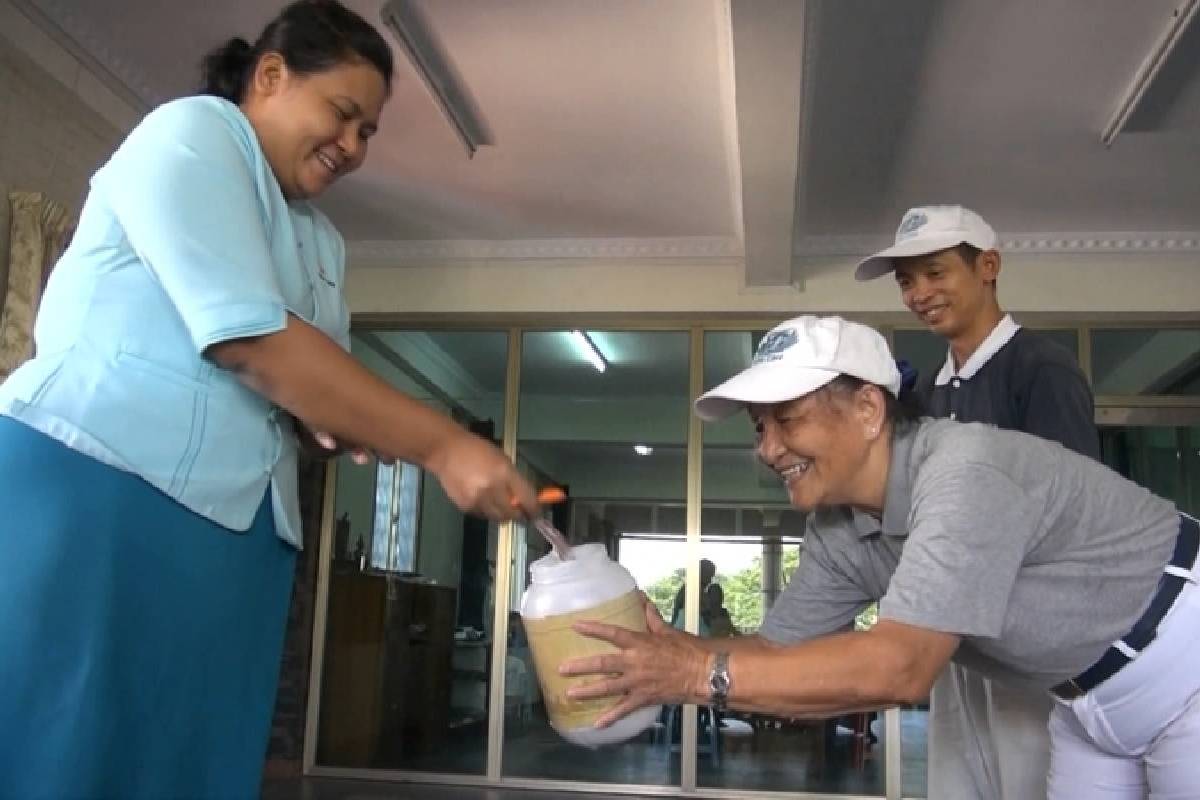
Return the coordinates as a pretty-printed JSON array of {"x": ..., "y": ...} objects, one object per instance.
[
  {"x": 516, "y": 691},
  {"x": 735, "y": 733},
  {"x": 708, "y": 739},
  {"x": 861, "y": 750}
]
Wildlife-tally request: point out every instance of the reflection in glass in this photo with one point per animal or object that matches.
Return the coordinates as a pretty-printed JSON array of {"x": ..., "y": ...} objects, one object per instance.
[
  {"x": 1164, "y": 459},
  {"x": 578, "y": 429},
  {"x": 914, "y": 727},
  {"x": 408, "y": 649},
  {"x": 1066, "y": 338},
  {"x": 732, "y": 603},
  {"x": 394, "y": 526},
  {"x": 752, "y": 535},
  {"x": 1146, "y": 361}
]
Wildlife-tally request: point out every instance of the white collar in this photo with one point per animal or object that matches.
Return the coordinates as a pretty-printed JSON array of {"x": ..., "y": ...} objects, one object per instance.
[{"x": 1005, "y": 329}]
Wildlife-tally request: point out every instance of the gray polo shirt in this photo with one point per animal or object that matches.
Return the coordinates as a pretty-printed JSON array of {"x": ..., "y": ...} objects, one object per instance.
[{"x": 1038, "y": 557}]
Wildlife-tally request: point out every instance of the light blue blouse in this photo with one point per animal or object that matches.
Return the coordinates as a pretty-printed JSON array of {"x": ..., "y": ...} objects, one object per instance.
[{"x": 185, "y": 240}]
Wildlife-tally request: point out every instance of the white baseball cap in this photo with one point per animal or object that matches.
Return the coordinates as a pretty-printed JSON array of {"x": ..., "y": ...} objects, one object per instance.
[
  {"x": 925, "y": 230},
  {"x": 800, "y": 356}
]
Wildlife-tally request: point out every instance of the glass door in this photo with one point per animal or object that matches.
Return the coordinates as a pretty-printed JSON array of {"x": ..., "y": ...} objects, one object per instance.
[
  {"x": 408, "y": 641},
  {"x": 751, "y": 538},
  {"x": 1158, "y": 448},
  {"x": 604, "y": 416}
]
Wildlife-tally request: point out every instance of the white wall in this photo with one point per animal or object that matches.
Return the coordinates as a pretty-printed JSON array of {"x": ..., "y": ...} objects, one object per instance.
[
  {"x": 1094, "y": 284},
  {"x": 51, "y": 140}
]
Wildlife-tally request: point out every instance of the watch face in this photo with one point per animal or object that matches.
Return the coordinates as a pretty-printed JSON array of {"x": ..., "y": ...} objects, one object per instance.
[{"x": 719, "y": 683}]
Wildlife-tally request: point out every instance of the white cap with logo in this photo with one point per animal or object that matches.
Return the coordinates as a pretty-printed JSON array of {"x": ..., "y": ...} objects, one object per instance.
[
  {"x": 800, "y": 356},
  {"x": 925, "y": 230}
]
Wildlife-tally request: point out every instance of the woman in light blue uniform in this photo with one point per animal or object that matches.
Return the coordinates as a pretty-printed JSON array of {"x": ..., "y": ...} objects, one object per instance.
[{"x": 192, "y": 330}]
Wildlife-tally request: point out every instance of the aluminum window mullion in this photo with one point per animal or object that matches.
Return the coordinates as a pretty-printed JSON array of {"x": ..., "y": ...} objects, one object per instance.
[
  {"x": 504, "y": 576},
  {"x": 695, "y": 445}
]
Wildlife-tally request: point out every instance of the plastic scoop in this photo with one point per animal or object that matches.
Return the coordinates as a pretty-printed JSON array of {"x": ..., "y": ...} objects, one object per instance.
[
  {"x": 550, "y": 495},
  {"x": 555, "y": 538},
  {"x": 547, "y": 496}
]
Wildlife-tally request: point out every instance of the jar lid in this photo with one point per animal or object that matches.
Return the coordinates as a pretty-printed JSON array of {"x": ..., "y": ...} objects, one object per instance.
[{"x": 584, "y": 558}]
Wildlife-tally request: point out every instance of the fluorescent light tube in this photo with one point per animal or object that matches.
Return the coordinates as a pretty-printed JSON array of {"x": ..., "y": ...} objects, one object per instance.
[
  {"x": 1148, "y": 71},
  {"x": 589, "y": 350},
  {"x": 428, "y": 57}
]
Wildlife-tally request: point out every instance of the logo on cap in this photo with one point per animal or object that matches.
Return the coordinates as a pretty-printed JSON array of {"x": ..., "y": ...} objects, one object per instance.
[
  {"x": 773, "y": 344},
  {"x": 911, "y": 224}
]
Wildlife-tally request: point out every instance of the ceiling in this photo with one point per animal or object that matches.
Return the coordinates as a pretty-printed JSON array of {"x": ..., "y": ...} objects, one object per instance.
[{"x": 770, "y": 132}]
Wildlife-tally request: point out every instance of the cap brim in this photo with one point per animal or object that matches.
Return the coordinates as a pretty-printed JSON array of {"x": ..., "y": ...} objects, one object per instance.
[
  {"x": 883, "y": 262},
  {"x": 768, "y": 382}
]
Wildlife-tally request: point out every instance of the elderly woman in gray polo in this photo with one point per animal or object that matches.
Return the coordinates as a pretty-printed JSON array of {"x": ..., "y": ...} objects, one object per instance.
[{"x": 1000, "y": 550}]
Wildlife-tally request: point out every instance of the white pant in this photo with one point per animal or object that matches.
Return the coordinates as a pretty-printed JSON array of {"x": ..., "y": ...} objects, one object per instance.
[
  {"x": 1139, "y": 731},
  {"x": 987, "y": 740}
]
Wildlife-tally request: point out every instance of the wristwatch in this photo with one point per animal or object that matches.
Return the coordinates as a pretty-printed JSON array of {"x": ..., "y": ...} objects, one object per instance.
[{"x": 718, "y": 681}]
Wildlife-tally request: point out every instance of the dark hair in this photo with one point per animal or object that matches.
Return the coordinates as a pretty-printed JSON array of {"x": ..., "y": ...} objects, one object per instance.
[
  {"x": 968, "y": 253},
  {"x": 897, "y": 410},
  {"x": 311, "y": 35}
]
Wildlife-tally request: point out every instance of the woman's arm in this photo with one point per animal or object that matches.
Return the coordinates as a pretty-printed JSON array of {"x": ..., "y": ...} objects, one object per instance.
[{"x": 304, "y": 372}]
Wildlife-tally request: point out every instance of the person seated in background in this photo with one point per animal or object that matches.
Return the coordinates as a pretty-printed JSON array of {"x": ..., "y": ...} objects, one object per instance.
[
  {"x": 707, "y": 571},
  {"x": 516, "y": 631},
  {"x": 713, "y": 611}
]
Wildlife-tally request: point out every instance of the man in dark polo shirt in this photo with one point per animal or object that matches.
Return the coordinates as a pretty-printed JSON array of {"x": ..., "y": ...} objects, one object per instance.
[{"x": 987, "y": 741}]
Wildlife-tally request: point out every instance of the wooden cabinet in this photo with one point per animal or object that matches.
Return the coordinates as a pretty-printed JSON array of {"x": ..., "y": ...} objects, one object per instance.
[{"x": 386, "y": 690}]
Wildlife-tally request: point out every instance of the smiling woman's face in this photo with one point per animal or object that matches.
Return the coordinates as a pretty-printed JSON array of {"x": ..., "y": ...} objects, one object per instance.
[
  {"x": 818, "y": 444},
  {"x": 314, "y": 128}
]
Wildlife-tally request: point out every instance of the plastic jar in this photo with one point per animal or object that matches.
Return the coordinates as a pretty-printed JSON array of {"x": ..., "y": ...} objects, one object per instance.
[{"x": 590, "y": 586}]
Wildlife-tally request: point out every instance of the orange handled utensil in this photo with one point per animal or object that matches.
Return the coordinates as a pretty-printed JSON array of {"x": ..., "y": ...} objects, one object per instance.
[
  {"x": 547, "y": 496},
  {"x": 550, "y": 495}
]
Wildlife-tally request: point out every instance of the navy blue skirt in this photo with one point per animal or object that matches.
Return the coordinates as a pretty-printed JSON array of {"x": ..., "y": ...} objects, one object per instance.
[{"x": 140, "y": 643}]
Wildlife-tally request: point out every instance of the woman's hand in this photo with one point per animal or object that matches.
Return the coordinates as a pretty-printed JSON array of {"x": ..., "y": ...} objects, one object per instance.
[
  {"x": 333, "y": 447},
  {"x": 323, "y": 446},
  {"x": 663, "y": 665},
  {"x": 479, "y": 478}
]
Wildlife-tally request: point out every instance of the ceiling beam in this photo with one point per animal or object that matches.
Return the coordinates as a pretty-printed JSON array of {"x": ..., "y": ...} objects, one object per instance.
[
  {"x": 729, "y": 119},
  {"x": 768, "y": 48}
]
